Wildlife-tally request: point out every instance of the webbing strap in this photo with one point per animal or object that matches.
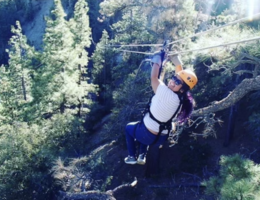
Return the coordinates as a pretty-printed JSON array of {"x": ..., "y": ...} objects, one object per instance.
[{"x": 166, "y": 124}]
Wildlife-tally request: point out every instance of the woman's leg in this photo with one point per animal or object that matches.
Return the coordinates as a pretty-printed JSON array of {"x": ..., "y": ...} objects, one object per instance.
[
  {"x": 145, "y": 138},
  {"x": 143, "y": 148},
  {"x": 130, "y": 137}
]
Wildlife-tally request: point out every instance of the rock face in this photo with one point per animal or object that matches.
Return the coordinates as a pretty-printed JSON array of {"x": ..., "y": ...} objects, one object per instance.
[{"x": 35, "y": 29}]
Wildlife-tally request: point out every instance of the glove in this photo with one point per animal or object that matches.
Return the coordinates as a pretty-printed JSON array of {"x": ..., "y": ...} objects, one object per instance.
[
  {"x": 176, "y": 60},
  {"x": 157, "y": 58}
]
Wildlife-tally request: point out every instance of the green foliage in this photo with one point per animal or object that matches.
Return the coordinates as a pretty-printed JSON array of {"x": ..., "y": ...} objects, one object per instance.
[
  {"x": 16, "y": 78},
  {"x": 44, "y": 99},
  {"x": 80, "y": 28},
  {"x": 132, "y": 28},
  {"x": 238, "y": 179},
  {"x": 26, "y": 154},
  {"x": 64, "y": 59},
  {"x": 102, "y": 62}
]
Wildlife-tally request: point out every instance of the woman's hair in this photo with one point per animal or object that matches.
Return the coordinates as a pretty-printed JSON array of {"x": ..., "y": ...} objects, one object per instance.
[{"x": 187, "y": 104}]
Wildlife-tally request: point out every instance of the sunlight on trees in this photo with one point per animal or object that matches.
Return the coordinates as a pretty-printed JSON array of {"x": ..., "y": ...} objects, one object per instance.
[
  {"x": 44, "y": 101},
  {"x": 16, "y": 78}
]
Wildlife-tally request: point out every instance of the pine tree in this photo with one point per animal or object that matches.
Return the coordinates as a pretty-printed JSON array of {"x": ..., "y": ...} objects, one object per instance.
[
  {"x": 63, "y": 60},
  {"x": 238, "y": 179},
  {"x": 79, "y": 26},
  {"x": 16, "y": 78},
  {"x": 103, "y": 63}
]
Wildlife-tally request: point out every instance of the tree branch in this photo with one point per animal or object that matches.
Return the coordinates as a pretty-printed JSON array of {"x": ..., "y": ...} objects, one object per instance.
[
  {"x": 86, "y": 195},
  {"x": 246, "y": 86},
  {"x": 95, "y": 194}
]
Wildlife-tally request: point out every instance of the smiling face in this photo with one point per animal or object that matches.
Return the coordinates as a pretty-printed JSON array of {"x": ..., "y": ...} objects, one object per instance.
[{"x": 175, "y": 84}]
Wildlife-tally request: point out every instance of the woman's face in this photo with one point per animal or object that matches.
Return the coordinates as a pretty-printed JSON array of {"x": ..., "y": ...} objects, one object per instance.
[{"x": 175, "y": 83}]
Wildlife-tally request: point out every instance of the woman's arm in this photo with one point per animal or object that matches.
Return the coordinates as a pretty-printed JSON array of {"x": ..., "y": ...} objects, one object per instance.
[
  {"x": 156, "y": 68},
  {"x": 154, "y": 76}
]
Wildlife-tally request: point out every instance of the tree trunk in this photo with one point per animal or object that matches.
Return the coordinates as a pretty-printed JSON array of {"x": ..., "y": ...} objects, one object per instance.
[
  {"x": 231, "y": 123},
  {"x": 24, "y": 89}
]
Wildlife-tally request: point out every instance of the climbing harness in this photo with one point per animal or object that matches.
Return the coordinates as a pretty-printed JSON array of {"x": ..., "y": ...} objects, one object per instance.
[{"x": 162, "y": 125}]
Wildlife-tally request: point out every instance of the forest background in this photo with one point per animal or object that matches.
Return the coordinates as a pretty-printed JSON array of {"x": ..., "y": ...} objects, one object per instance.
[{"x": 68, "y": 88}]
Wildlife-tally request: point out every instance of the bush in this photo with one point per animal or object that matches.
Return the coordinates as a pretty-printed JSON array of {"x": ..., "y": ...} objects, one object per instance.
[{"x": 238, "y": 179}]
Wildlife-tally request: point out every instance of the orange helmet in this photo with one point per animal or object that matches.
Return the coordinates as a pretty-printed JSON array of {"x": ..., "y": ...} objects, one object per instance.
[{"x": 189, "y": 77}]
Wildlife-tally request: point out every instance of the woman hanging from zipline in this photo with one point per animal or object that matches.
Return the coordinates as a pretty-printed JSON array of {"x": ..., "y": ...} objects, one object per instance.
[{"x": 170, "y": 101}]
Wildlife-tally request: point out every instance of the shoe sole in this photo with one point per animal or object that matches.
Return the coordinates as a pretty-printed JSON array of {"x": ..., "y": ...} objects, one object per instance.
[{"x": 131, "y": 163}]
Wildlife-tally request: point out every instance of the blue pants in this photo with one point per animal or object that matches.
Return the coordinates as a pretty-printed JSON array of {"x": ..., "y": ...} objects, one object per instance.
[{"x": 143, "y": 136}]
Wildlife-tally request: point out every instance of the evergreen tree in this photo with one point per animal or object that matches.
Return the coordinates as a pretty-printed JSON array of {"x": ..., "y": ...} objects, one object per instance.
[
  {"x": 63, "y": 62},
  {"x": 16, "y": 78},
  {"x": 79, "y": 26},
  {"x": 238, "y": 179},
  {"x": 103, "y": 63}
]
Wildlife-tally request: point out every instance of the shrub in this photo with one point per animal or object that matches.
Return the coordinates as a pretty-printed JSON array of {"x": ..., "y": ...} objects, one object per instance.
[{"x": 238, "y": 178}]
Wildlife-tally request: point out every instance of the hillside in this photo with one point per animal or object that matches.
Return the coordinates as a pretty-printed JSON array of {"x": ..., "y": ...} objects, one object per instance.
[{"x": 182, "y": 167}]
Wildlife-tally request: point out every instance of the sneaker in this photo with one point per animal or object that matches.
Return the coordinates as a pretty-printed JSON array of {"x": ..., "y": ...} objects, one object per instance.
[
  {"x": 130, "y": 160},
  {"x": 141, "y": 159}
]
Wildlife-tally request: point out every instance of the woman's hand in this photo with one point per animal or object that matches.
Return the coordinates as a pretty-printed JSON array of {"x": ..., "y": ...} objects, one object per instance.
[{"x": 177, "y": 62}]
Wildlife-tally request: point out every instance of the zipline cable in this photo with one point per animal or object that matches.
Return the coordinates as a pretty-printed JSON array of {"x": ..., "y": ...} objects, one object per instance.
[
  {"x": 216, "y": 46},
  {"x": 216, "y": 28},
  {"x": 138, "y": 52},
  {"x": 194, "y": 35},
  {"x": 191, "y": 50}
]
